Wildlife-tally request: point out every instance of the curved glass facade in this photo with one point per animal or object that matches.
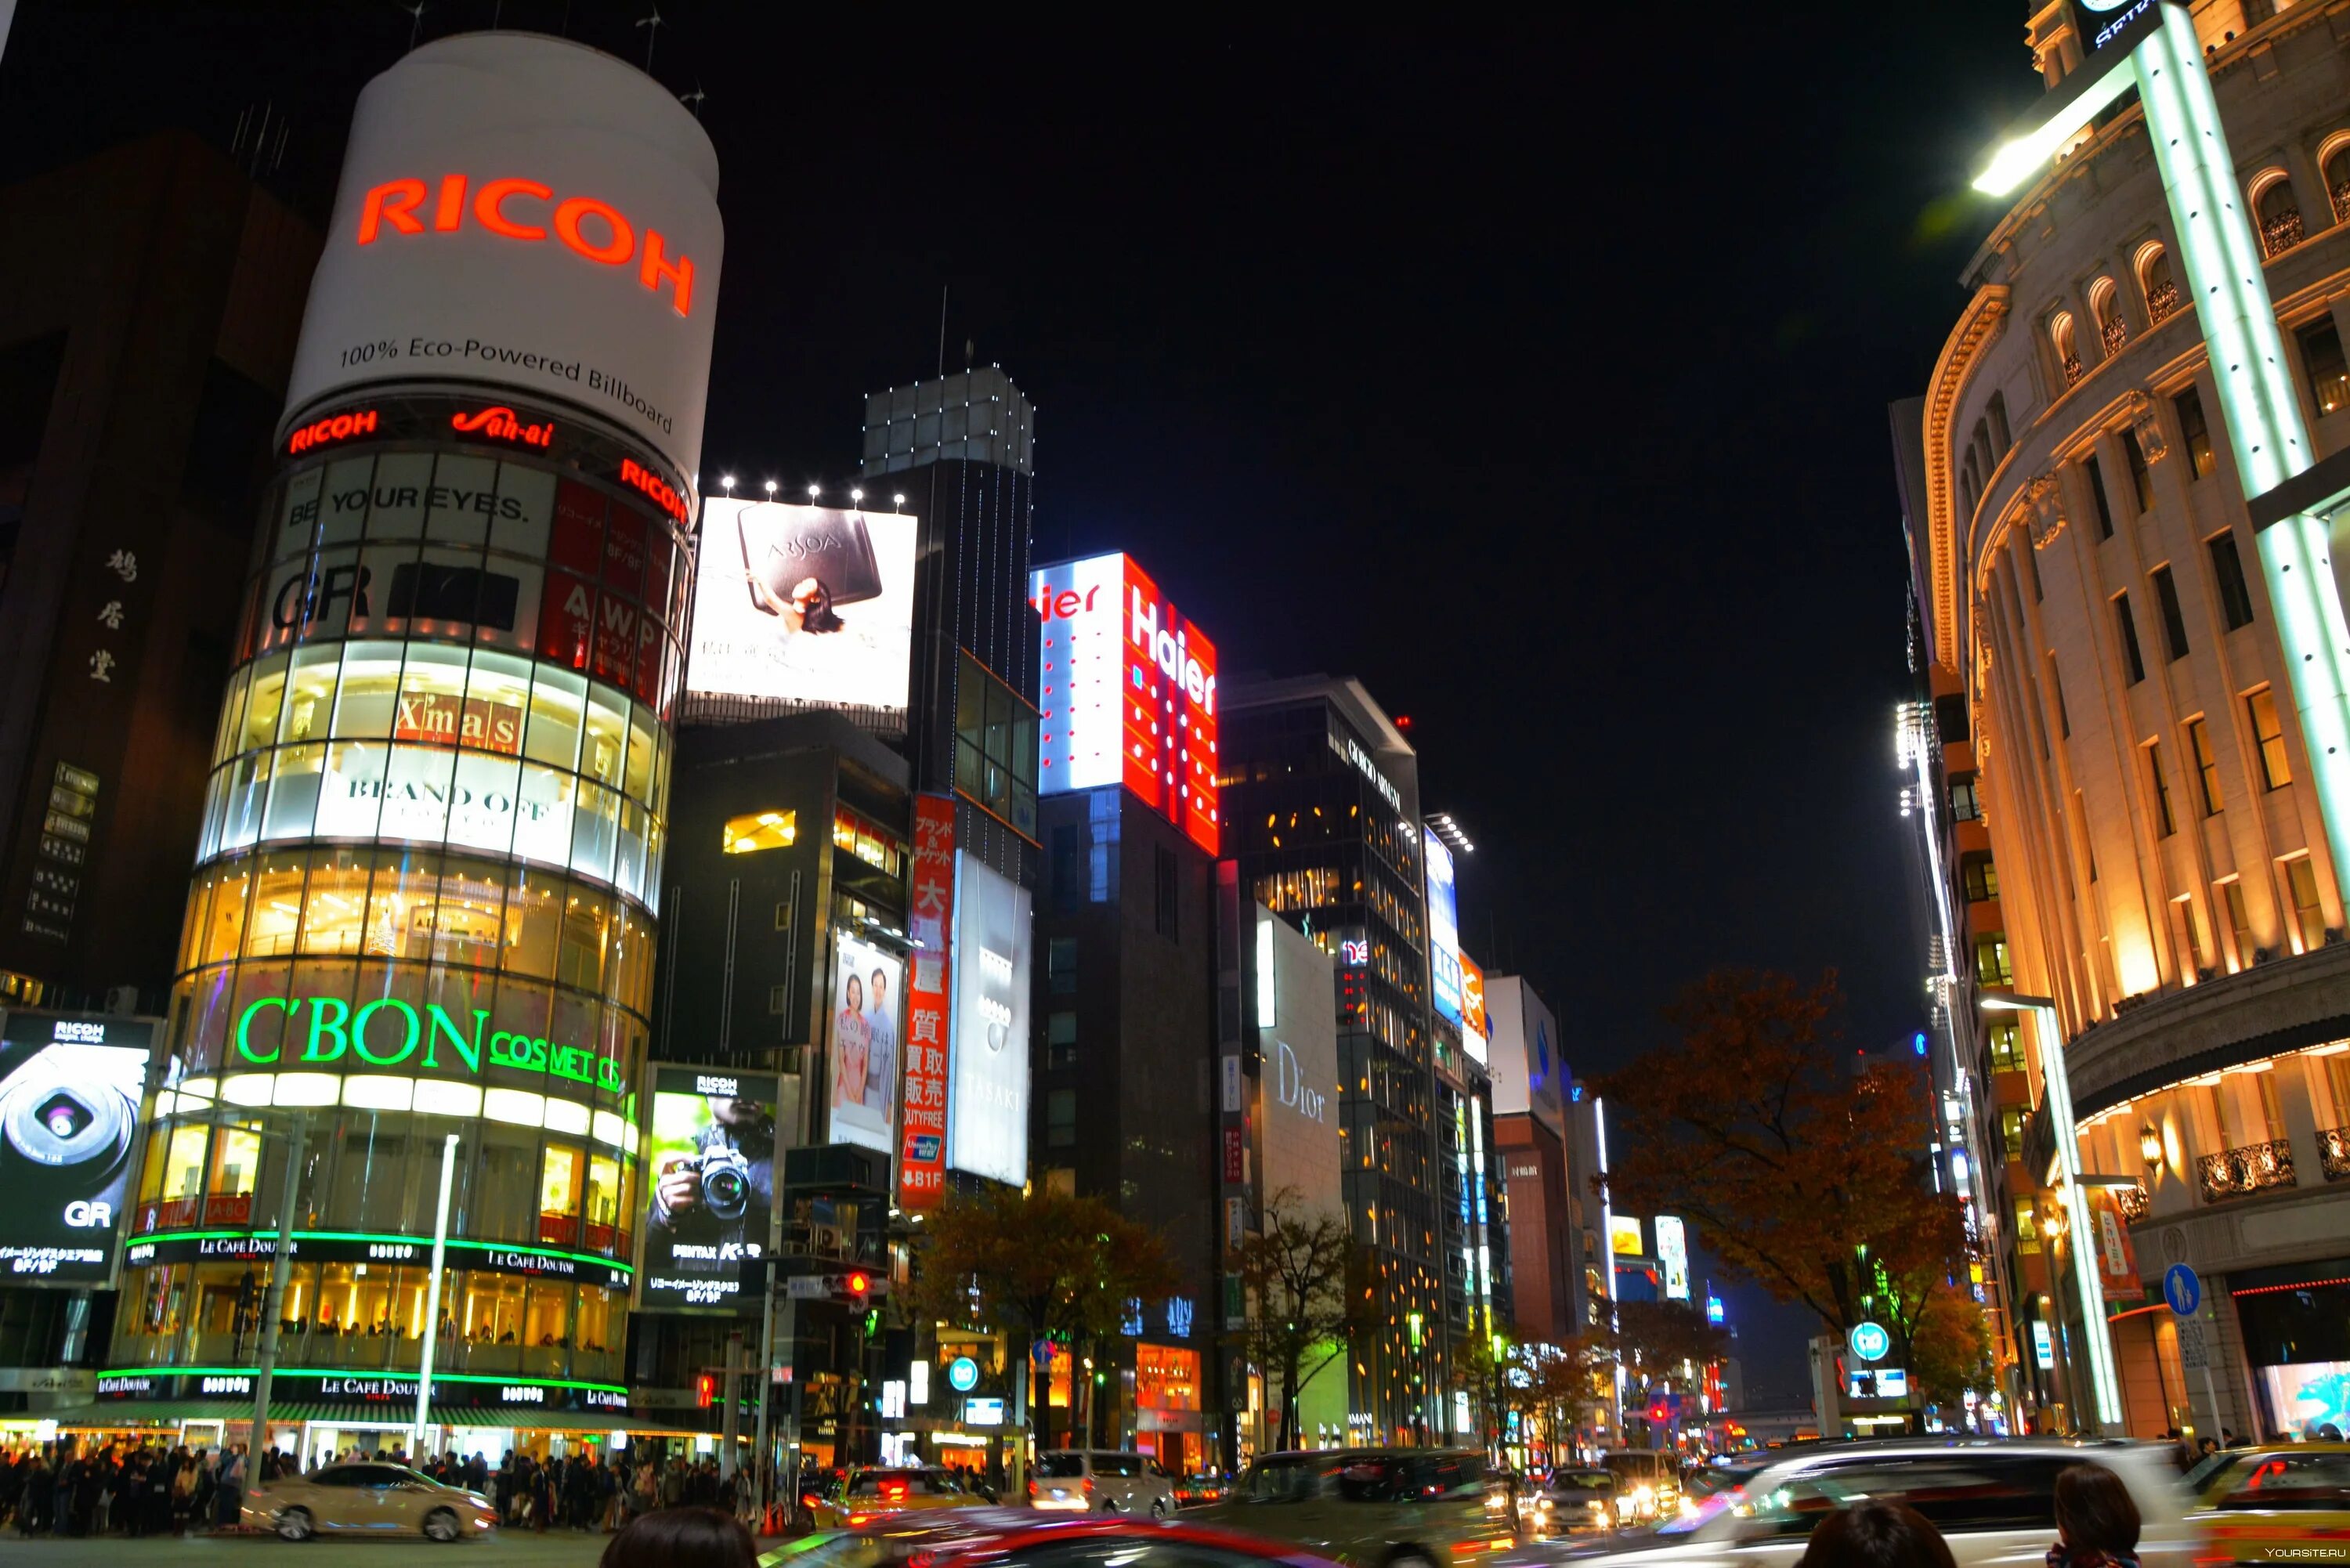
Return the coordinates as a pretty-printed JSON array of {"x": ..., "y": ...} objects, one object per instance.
[{"x": 424, "y": 906}]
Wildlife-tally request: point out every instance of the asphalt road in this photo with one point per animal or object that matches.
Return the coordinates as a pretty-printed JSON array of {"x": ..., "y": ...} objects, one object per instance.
[{"x": 501, "y": 1549}]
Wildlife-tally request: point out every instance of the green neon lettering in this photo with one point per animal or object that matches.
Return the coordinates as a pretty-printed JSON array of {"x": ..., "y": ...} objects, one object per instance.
[
  {"x": 244, "y": 1027},
  {"x": 407, "y": 1045},
  {"x": 320, "y": 1025},
  {"x": 470, "y": 1050}
]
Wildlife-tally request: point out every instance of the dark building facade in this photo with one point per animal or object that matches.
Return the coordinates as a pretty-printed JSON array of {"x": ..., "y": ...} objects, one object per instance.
[
  {"x": 144, "y": 355},
  {"x": 1124, "y": 922},
  {"x": 1321, "y": 798}
]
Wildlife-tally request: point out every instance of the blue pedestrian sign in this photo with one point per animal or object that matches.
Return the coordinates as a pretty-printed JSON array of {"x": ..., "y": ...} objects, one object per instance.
[
  {"x": 2182, "y": 1289},
  {"x": 1869, "y": 1341}
]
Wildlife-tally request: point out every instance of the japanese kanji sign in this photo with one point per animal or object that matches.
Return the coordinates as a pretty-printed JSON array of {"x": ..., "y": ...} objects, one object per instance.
[{"x": 922, "y": 1152}]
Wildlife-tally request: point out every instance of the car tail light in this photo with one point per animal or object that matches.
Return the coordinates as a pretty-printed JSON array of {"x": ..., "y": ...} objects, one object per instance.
[
  {"x": 1089, "y": 1486},
  {"x": 1031, "y": 1488}
]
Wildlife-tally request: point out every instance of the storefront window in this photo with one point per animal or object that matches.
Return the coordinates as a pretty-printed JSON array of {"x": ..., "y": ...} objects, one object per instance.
[
  {"x": 559, "y": 1196},
  {"x": 579, "y": 959},
  {"x": 505, "y": 1207},
  {"x": 310, "y": 692},
  {"x": 602, "y": 1203},
  {"x": 294, "y": 792},
  {"x": 277, "y": 904},
  {"x": 547, "y": 1327},
  {"x": 601, "y": 1323},
  {"x": 223, "y": 931},
  {"x": 226, "y": 732},
  {"x": 334, "y": 906},
  {"x": 236, "y": 1156},
  {"x": 181, "y": 1179},
  {"x": 265, "y": 700},
  {"x": 368, "y": 697}
]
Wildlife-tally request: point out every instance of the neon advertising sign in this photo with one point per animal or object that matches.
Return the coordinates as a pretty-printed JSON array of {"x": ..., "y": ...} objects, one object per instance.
[
  {"x": 387, "y": 1031},
  {"x": 500, "y": 423},
  {"x": 1128, "y": 693},
  {"x": 516, "y": 210}
]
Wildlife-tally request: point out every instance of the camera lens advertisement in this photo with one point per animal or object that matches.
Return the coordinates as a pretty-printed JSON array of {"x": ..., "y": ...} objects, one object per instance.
[
  {"x": 70, "y": 1089},
  {"x": 711, "y": 1176},
  {"x": 868, "y": 1053}
]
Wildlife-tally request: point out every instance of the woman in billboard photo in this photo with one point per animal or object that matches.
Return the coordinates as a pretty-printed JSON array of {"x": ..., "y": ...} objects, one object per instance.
[{"x": 851, "y": 1043}]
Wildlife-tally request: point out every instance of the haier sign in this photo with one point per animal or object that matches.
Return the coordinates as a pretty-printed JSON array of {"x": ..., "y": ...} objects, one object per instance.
[{"x": 1127, "y": 694}]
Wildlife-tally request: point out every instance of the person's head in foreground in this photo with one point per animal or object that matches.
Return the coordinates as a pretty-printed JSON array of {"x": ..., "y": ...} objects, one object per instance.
[
  {"x": 1876, "y": 1535},
  {"x": 2095, "y": 1516},
  {"x": 682, "y": 1538}
]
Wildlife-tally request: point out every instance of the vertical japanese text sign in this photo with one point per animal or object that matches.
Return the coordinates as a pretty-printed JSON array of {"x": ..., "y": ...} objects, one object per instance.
[{"x": 922, "y": 1156}]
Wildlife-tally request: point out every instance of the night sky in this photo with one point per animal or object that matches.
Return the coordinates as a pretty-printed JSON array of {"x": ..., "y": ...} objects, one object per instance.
[{"x": 1538, "y": 381}]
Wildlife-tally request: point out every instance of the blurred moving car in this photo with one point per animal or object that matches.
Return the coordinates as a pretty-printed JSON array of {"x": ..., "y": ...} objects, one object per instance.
[
  {"x": 987, "y": 1537},
  {"x": 1576, "y": 1500},
  {"x": 369, "y": 1498},
  {"x": 1376, "y": 1508},
  {"x": 1994, "y": 1500},
  {"x": 868, "y": 1495},
  {"x": 1196, "y": 1491},
  {"x": 1648, "y": 1483},
  {"x": 1105, "y": 1481},
  {"x": 2274, "y": 1502}
]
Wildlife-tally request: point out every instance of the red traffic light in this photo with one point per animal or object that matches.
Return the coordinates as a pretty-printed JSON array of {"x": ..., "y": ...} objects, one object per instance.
[
  {"x": 705, "y": 1390},
  {"x": 859, "y": 1284}
]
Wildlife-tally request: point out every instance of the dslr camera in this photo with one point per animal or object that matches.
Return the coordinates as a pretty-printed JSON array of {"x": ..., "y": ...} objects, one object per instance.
[{"x": 725, "y": 1183}]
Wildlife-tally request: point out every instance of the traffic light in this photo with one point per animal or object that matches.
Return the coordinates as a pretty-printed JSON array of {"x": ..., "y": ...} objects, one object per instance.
[
  {"x": 705, "y": 1390},
  {"x": 858, "y": 1284}
]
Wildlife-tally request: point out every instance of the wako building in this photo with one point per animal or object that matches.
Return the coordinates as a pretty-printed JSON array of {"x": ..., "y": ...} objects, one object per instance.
[{"x": 430, "y": 864}]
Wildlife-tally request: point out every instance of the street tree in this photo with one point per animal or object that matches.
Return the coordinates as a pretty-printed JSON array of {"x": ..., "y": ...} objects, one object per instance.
[
  {"x": 1659, "y": 1336},
  {"x": 1550, "y": 1384},
  {"x": 1806, "y": 1178},
  {"x": 1037, "y": 1264},
  {"x": 1300, "y": 1272},
  {"x": 1949, "y": 1350}
]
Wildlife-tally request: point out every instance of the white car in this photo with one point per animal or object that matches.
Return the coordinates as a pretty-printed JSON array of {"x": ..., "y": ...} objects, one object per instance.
[
  {"x": 1101, "y": 1480},
  {"x": 1993, "y": 1500}
]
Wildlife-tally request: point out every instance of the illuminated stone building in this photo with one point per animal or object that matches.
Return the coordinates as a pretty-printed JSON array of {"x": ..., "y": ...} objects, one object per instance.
[
  {"x": 431, "y": 858},
  {"x": 2152, "y": 859}
]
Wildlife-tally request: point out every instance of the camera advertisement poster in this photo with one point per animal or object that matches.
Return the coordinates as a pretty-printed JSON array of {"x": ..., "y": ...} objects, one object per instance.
[
  {"x": 711, "y": 1179},
  {"x": 70, "y": 1089},
  {"x": 811, "y": 606},
  {"x": 868, "y": 1058}
]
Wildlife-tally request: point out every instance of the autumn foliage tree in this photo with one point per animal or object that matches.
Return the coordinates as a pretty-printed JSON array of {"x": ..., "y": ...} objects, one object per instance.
[
  {"x": 1807, "y": 1179},
  {"x": 1037, "y": 1264},
  {"x": 1950, "y": 1350}
]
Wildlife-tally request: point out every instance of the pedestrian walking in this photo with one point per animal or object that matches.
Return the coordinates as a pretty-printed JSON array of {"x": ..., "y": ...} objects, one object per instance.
[
  {"x": 682, "y": 1538},
  {"x": 2096, "y": 1522}
]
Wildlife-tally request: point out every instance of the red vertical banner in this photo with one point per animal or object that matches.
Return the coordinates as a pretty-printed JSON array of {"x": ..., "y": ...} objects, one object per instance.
[
  {"x": 923, "y": 1153},
  {"x": 2116, "y": 1257}
]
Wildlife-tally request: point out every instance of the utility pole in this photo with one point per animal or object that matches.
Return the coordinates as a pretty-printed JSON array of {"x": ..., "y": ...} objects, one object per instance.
[{"x": 273, "y": 1305}]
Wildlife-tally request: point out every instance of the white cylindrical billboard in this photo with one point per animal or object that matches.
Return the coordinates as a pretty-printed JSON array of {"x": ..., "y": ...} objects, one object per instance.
[{"x": 525, "y": 212}]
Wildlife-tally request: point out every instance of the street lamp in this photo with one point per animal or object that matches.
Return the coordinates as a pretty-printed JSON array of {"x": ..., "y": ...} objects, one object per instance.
[
  {"x": 2149, "y": 1146},
  {"x": 2105, "y": 1380},
  {"x": 2152, "y": 47}
]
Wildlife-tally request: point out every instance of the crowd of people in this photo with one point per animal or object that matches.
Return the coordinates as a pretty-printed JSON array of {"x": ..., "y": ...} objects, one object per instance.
[{"x": 144, "y": 1489}]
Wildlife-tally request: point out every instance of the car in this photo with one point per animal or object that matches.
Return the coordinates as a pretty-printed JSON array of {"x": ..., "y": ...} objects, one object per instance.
[
  {"x": 1374, "y": 1508},
  {"x": 2269, "y": 1502},
  {"x": 365, "y": 1498},
  {"x": 1992, "y": 1499},
  {"x": 1195, "y": 1491},
  {"x": 1576, "y": 1500},
  {"x": 1648, "y": 1483},
  {"x": 1105, "y": 1481},
  {"x": 867, "y": 1495},
  {"x": 999, "y": 1537}
]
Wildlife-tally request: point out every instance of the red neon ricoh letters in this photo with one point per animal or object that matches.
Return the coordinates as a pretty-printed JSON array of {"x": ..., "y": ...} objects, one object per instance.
[
  {"x": 328, "y": 431},
  {"x": 652, "y": 486},
  {"x": 516, "y": 209}
]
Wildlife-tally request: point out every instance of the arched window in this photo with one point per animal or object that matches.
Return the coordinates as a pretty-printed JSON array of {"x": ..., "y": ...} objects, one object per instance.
[
  {"x": 2275, "y": 212},
  {"x": 2059, "y": 337},
  {"x": 1986, "y": 460},
  {"x": 2104, "y": 307},
  {"x": 2154, "y": 281},
  {"x": 1996, "y": 412},
  {"x": 2334, "y": 168}
]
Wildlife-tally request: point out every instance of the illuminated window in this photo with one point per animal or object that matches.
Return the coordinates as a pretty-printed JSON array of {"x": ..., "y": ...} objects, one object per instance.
[
  {"x": 2059, "y": 337},
  {"x": 2027, "y": 1225},
  {"x": 2007, "y": 1047},
  {"x": 559, "y": 1196},
  {"x": 2276, "y": 212},
  {"x": 2206, "y": 765},
  {"x": 758, "y": 830},
  {"x": 2239, "y": 921},
  {"x": 1979, "y": 875},
  {"x": 2154, "y": 277},
  {"x": 2268, "y": 734},
  {"x": 2322, "y": 360},
  {"x": 2014, "y": 1124},
  {"x": 2228, "y": 573},
  {"x": 854, "y": 834},
  {"x": 1991, "y": 960},
  {"x": 2197, "y": 431},
  {"x": 2158, "y": 791},
  {"x": 2126, "y": 633},
  {"x": 2308, "y": 911},
  {"x": 1964, "y": 807}
]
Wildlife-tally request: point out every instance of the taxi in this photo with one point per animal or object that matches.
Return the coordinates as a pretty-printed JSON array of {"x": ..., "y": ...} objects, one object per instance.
[
  {"x": 2274, "y": 1502},
  {"x": 868, "y": 1495}
]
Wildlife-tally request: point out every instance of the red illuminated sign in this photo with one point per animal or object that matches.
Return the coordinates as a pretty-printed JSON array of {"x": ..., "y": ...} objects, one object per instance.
[
  {"x": 520, "y": 210},
  {"x": 636, "y": 477},
  {"x": 445, "y": 720},
  {"x": 328, "y": 431},
  {"x": 1127, "y": 694},
  {"x": 922, "y": 1156},
  {"x": 500, "y": 423}
]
